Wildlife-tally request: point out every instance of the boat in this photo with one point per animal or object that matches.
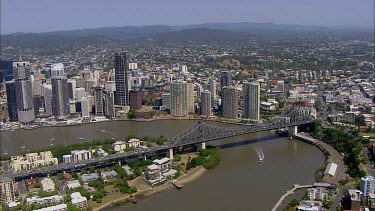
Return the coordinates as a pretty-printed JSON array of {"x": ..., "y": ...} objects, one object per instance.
[
  {"x": 23, "y": 146},
  {"x": 50, "y": 141},
  {"x": 260, "y": 155},
  {"x": 5, "y": 151},
  {"x": 80, "y": 138},
  {"x": 291, "y": 138},
  {"x": 102, "y": 131}
]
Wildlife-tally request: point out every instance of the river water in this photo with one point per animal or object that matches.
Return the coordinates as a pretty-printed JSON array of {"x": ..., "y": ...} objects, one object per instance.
[{"x": 238, "y": 183}]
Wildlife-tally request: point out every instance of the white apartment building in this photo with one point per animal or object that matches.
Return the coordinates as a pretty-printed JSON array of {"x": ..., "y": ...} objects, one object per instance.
[
  {"x": 32, "y": 161},
  {"x": 367, "y": 185},
  {"x": 78, "y": 200}
]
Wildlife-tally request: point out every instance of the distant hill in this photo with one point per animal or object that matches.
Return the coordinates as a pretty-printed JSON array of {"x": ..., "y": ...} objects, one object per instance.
[
  {"x": 200, "y": 34},
  {"x": 196, "y": 32}
]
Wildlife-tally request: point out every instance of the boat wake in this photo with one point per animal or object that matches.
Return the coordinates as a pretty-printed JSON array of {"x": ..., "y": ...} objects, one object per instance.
[{"x": 260, "y": 154}]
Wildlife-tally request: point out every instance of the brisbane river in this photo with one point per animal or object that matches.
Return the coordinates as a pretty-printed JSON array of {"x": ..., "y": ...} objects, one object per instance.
[{"x": 238, "y": 183}]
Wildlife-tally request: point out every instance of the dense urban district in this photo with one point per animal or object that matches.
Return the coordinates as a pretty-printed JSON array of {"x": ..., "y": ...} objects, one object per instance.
[{"x": 240, "y": 81}]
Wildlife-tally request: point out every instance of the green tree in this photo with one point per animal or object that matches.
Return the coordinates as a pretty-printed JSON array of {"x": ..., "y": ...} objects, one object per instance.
[{"x": 131, "y": 114}]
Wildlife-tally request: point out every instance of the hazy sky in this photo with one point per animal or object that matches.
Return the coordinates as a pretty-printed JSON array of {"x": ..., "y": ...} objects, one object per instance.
[{"x": 51, "y": 15}]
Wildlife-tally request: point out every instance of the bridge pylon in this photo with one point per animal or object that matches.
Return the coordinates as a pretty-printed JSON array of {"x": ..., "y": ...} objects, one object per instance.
[
  {"x": 293, "y": 130},
  {"x": 170, "y": 153},
  {"x": 201, "y": 146}
]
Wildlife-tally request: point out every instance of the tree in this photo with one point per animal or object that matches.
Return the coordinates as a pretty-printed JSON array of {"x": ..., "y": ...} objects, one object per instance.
[
  {"x": 131, "y": 114},
  {"x": 161, "y": 140}
]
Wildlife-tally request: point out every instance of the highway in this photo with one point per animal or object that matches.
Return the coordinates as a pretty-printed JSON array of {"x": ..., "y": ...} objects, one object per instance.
[{"x": 97, "y": 162}]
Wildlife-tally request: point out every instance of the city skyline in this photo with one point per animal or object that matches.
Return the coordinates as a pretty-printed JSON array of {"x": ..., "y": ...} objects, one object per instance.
[{"x": 98, "y": 14}]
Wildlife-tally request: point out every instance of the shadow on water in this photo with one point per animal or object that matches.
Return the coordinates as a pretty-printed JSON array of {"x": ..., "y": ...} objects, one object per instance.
[{"x": 246, "y": 142}]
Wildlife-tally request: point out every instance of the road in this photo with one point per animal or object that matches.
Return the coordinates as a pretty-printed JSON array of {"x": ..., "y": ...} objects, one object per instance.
[
  {"x": 369, "y": 166},
  {"x": 60, "y": 185},
  {"x": 338, "y": 198},
  {"x": 22, "y": 188}
]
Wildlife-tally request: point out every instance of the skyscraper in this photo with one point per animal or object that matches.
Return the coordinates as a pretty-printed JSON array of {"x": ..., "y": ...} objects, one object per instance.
[
  {"x": 189, "y": 90},
  {"x": 135, "y": 97},
  {"x": 60, "y": 98},
  {"x": 72, "y": 84},
  {"x": 98, "y": 101},
  {"x": 57, "y": 70},
  {"x": 280, "y": 86},
  {"x": 11, "y": 100},
  {"x": 178, "y": 99},
  {"x": 230, "y": 102},
  {"x": 367, "y": 185},
  {"x": 47, "y": 92},
  {"x": 24, "y": 92},
  {"x": 6, "y": 70},
  {"x": 166, "y": 100},
  {"x": 109, "y": 104},
  {"x": 251, "y": 100},
  {"x": 213, "y": 91},
  {"x": 121, "y": 78},
  {"x": 206, "y": 103},
  {"x": 225, "y": 79}
]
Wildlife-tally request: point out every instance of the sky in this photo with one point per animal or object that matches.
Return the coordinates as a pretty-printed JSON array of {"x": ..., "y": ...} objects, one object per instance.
[{"x": 53, "y": 15}]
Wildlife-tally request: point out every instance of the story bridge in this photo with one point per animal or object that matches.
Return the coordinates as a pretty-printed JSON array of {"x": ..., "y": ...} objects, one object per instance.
[{"x": 198, "y": 133}]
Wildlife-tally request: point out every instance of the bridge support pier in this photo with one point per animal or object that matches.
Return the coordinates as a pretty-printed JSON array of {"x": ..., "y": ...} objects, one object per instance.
[
  {"x": 201, "y": 146},
  {"x": 293, "y": 130},
  {"x": 170, "y": 154}
]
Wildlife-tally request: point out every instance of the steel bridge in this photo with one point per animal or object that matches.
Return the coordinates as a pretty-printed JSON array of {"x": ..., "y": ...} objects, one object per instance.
[{"x": 202, "y": 132}]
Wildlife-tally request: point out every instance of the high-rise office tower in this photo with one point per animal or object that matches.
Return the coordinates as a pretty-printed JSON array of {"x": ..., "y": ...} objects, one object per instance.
[
  {"x": 11, "y": 100},
  {"x": 80, "y": 93},
  {"x": 280, "y": 86},
  {"x": 72, "y": 84},
  {"x": 230, "y": 102},
  {"x": 57, "y": 70},
  {"x": 60, "y": 98},
  {"x": 24, "y": 92},
  {"x": 178, "y": 99},
  {"x": 47, "y": 92},
  {"x": 225, "y": 79},
  {"x": 98, "y": 100},
  {"x": 213, "y": 91},
  {"x": 189, "y": 89},
  {"x": 251, "y": 100},
  {"x": 109, "y": 104},
  {"x": 135, "y": 98},
  {"x": 121, "y": 78},
  {"x": 6, "y": 70},
  {"x": 37, "y": 87},
  {"x": 206, "y": 103},
  {"x": 166, "y": 100},
  {"x": 90, "y": 84},
  {"x": 367, "y": 185},
  {"x": 85, "y": 107}
]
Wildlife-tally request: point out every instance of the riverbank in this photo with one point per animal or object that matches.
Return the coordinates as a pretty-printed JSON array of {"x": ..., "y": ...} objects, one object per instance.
[{"x": 142, "y": 194}]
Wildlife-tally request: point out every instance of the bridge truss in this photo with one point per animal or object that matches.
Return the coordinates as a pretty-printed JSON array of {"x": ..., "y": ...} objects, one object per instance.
[{"x": 203, "y": 132}]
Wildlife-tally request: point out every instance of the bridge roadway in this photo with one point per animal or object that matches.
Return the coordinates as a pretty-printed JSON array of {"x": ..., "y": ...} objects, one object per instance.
[{"x": 188, "y": 136}]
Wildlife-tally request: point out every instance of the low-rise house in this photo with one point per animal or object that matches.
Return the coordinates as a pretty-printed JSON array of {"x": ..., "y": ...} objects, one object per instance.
[
  {"x": 60, "y": 207},
  {"x": 127, "y": 169},
  {"x": 119, "y": 146},
  {"x": 152, "y": 172},
  {"x": 318, "y": 193},
  {"x": 108, "y": 174},
  {"x": 78, "y": 200},
  {"x": 134, "y": 143},
  {"x": 48, "y": 184},
  {"x": 89, "y": 177},
  {"x": 310, "y": 206},
  {"x": 73, "y": 184},
  {"x": 164, "y": 164},
  {"x": 51, "y": 199},
  {"x": 101, "y": 153}
]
